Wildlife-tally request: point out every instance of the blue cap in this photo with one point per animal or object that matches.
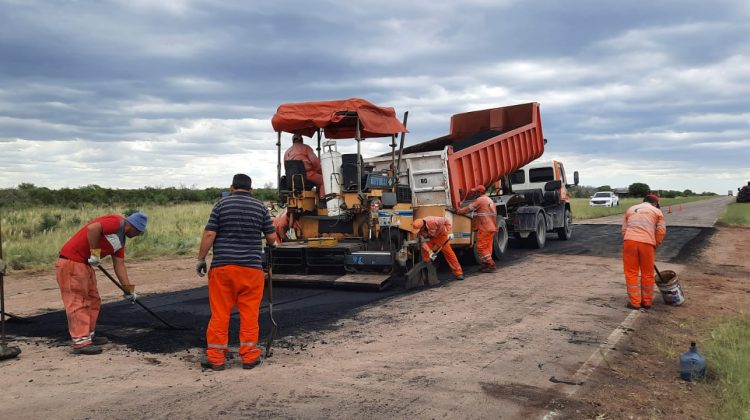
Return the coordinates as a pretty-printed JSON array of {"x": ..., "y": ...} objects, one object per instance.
[{"x": 138, "y": 220}]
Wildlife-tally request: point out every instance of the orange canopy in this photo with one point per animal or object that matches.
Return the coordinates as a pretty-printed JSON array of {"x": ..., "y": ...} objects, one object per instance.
[{"x": 337, "y": 119}]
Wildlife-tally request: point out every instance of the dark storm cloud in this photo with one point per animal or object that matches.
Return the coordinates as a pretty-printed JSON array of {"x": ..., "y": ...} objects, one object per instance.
[{"x": 170, "y": 83}]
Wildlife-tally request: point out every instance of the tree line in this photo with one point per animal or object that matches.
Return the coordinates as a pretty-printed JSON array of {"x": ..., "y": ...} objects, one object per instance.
[
  {"x": 26, "y": 195},
  {"x": 636, "y": 189}
]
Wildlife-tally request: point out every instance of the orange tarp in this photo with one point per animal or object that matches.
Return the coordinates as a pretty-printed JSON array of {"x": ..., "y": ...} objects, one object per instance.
[{"x": 307, "y": 117}]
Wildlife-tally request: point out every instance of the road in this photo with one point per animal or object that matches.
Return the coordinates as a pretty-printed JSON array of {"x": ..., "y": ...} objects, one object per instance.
[{"x": 495, "y": 345}]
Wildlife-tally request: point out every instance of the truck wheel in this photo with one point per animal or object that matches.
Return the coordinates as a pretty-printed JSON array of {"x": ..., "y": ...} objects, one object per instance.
[
  {"x": 500, "y": 241},
  {"x": 566, "y": 231},
  {"x": 538, "y": 238}
]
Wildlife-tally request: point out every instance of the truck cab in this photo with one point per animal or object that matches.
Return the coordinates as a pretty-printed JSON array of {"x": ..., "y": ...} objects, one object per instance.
[
  {"x": 536, "y": 200},
  {"x": 534, "y": 177}
]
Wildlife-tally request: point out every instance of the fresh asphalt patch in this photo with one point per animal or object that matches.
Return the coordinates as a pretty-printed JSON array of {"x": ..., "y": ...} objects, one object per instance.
[{"x": 304, "y": 310}]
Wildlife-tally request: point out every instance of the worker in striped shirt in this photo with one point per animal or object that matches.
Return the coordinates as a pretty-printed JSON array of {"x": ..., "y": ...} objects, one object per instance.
[{"x": 235, "y": 230}]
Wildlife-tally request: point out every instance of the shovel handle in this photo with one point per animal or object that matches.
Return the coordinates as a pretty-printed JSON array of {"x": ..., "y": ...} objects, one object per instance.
[{"x": 661, "y": 279}]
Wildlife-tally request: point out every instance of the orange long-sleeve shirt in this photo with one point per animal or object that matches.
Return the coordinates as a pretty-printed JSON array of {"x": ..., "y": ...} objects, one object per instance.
[
  {"x": 484, "y": 214},
  {"x": 644, "y": 223},
  {"x": 305, "y": 153}
]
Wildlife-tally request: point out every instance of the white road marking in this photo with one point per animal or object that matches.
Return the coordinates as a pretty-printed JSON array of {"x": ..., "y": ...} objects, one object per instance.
[{"x": 596, "y": 358}]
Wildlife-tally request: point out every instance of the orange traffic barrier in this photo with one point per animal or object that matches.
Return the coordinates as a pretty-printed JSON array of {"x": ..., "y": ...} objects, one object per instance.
[{"x": 669, "y": 209}]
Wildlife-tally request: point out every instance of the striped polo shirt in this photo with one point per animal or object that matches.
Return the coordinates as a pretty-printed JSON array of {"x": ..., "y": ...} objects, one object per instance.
[{"x": 239, "y": 221}]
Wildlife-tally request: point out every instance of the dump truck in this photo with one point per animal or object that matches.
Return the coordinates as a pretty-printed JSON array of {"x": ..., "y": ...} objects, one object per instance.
[{"x": 360, "y": 233}]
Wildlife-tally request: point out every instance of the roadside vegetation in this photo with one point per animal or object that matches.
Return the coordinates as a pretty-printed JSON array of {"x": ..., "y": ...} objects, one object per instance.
[
  {"x": 582, "y": 210},
  {"x": 727, "y": 351},
  {"x": 736, "y": 214},
  {"x": 37, "y": 221},
  {"x": 32, "y": 238}
]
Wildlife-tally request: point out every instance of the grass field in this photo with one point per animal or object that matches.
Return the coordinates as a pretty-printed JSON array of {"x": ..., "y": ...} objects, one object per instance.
[
  {"x": 32, "y": 238},
  {"x": 736, "y": 214},
  {"x": 727, "y": 354},
  {"x": 582, "y": 210}
]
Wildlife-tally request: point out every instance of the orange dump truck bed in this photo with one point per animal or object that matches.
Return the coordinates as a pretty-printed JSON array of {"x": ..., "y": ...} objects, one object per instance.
[{"x": 492, "y": 143}]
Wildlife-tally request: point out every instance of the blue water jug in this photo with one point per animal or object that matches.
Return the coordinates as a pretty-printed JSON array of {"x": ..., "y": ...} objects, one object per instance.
[{"x": 692, "y": 364}]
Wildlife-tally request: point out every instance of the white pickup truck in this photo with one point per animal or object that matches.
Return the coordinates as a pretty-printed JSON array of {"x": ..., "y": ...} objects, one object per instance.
[{"x": 604, "y": 198}]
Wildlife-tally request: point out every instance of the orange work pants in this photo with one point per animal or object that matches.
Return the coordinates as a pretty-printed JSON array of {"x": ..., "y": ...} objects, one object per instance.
[
  {"x": 639, "y": 256},
  {"x": 230, "y": 286},
  {"x": 81, "y": 299},
  {"x": 484, "y": 246},
  {"x": 447, "y": 251},
  {"x": 317, "y": 179}
]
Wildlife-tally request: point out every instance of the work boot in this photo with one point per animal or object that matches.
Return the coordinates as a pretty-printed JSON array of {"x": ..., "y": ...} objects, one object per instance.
[
  {"x": 644, "y": 306},
  {"x": 252, "y": 364},
  {"x": 205, "y": 364},
  {"x": 460, "y": 277},
  {"x": 488, "y": 269},
  {"x": 99, "y": 341},
  {"x": 633, "y": 307},
  {"x": 88, "y": 350}
]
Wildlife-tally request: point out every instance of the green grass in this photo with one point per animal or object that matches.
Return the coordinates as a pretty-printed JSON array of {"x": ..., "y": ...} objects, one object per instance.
[
  {"x": 32, "y": 238},
  {"x": 582, "y": 210},
  {"x": 736, "y": 214},
  {"x": 728, "y": 357}
]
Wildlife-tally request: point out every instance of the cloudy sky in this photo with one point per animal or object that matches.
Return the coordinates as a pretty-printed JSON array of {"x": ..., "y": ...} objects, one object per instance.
[{"x": 133, "y": 93}]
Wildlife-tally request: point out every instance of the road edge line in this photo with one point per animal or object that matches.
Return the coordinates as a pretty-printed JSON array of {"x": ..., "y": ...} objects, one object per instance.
[{"x": 596, "y": 358}]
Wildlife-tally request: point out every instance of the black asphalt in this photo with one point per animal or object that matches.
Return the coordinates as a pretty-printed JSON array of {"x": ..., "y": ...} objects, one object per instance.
[{"x": 304, "y": 310}]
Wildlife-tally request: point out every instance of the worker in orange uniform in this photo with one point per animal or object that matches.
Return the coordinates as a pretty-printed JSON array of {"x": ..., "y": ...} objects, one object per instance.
[
  {"x": 305, "y": 153},
  {"x": 643, "y": 231},
  {"x": 437, "y": 232},
  {"x": 484, "y": 220},
  {"x": 234, "y": 230},
  {"x": 74, "y": 269}
]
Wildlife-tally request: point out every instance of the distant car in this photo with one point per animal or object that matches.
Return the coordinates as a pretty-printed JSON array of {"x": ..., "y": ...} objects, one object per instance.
[{"x": 604, "y": 198}]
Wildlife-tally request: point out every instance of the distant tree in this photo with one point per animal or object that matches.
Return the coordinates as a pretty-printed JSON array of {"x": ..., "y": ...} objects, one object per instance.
[
  {"x": 638, "y": 189},
  {"x": 604, "y": 188},
  {"x": 688, "y": 193}
]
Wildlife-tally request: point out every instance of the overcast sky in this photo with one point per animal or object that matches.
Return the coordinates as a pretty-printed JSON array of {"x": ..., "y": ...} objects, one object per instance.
[{"x": 134, "y": 93}]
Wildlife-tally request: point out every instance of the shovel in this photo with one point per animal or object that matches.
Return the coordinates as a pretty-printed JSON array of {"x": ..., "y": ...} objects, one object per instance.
[
  {"x": 6, "y": 351},
  {"x": 274, "y": 325},
  {"x": 661, "y": 279},
  {"x": 117, "y": 283}
]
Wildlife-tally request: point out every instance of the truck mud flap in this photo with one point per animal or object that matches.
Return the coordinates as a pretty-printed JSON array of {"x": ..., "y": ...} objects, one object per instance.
[
  {"x": 525, "y": 220},
  {"x": 364, "y": 281}
]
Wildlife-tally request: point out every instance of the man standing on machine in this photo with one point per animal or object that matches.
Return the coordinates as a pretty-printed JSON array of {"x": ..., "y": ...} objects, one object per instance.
[{"x": 300, "y": 151}]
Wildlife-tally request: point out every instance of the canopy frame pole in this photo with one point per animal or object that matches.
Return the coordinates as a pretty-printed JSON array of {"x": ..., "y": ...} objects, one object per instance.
[
  {"x": 318, "y": 143},
  {"x": 278, "y": 166},
  {"x": 401, "y": 148},
  {"x": 359, "y": 159},
  {"x": 393, "y": 154}
]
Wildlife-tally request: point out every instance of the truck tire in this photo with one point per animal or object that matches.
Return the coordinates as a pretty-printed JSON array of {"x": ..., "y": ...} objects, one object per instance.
[
  {"x": 566, "y": 230},
  {"x": 500, "y": 242},
  {"x": 538, "y": 237}
]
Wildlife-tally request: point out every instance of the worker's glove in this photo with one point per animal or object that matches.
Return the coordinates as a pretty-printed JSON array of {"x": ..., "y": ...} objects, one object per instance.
[
  {"x": 433, "y": 256},
  {"x": 450, "y": 236},
  {"x": 96, "y": 257},
  {"x": 130, "y": 297},
  {"x": 201, "y": 268}
]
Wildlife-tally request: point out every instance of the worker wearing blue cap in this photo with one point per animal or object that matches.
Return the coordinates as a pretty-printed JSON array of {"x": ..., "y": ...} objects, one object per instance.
[{"x": 101, "y": 237}]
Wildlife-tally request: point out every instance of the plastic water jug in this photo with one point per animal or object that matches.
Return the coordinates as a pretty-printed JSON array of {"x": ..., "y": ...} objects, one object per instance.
[{"x": 692, "y": 364}]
